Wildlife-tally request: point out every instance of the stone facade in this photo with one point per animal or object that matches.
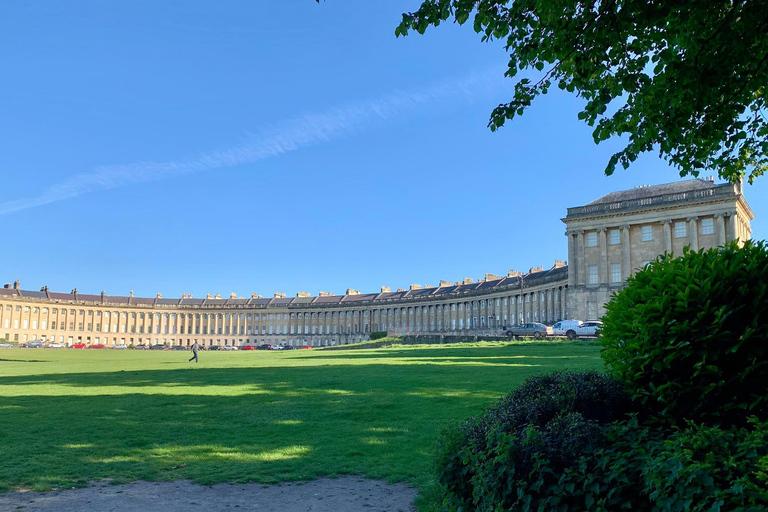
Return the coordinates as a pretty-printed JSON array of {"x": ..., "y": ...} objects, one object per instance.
[
  {"x": 612, "y": 237},
  {"x": 607, "y": 240}
]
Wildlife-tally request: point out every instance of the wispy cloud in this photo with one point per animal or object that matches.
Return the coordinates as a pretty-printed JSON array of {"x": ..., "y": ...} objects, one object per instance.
[{"x": 291, "y": 135}]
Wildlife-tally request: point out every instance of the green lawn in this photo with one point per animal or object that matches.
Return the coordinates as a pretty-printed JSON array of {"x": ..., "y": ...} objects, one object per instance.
[{"x": 70, "y": 416}]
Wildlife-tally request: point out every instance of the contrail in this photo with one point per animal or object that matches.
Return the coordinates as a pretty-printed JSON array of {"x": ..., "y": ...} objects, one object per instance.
[{"x": 291, "y": 135}]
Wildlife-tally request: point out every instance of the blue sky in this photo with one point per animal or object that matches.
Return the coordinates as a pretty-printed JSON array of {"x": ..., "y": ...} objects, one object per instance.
[{"x": 200, "y": 147}]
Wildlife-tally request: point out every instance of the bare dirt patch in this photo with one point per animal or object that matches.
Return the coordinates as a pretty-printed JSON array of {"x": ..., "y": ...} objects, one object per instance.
[{"x": 345, "y": 494}]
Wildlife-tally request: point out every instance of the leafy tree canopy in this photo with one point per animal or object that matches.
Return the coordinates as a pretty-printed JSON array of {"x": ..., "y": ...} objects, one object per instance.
[{"x": 685, "y": 77}]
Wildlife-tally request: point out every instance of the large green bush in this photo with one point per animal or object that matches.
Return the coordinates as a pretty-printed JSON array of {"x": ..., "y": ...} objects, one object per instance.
[
  {"x": 697, "y": 468},
  {"x": 515, "y": 454},
  {"x": 376, "y": 335},
  {"x": 563, "y": 443},
  {"x": 689, "y": 335}
]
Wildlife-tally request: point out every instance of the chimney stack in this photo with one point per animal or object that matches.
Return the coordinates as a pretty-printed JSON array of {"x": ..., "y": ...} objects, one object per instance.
[{"x": 16, "y": 284}]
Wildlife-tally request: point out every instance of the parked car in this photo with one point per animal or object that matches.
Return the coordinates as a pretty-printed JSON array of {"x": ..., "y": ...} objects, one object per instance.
[
  {"x": 303, "y": 346},
  {"x": 229, "y": 347},
  {"x": 247, "y": 347},
  {"x": 120, "y": 346},
  {"x": 6, "y": 345},
  {"x": 158, "y": 346},
  {"x": 276, "y": 347},
  {"x": 141, "y": 346},
  {"x": 213, "y": 347},
  {"x": 590, "y": 328},
  {"x": 78, "y": 345},
  {"x": 179, "y": 347},
  {"x": 35, "y": 344},
  {"x": 55, "y": 345},
  {"x": 288, "y": 347},
  {"x": 531, "y": 329},
  {"x": 567, "y": 328},
  {"x": 266, "y": 346},
  {"x": 98, "y": 346}
]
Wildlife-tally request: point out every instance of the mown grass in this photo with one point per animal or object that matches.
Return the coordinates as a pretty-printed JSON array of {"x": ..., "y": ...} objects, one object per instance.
[{"x": 68, "y": 417}]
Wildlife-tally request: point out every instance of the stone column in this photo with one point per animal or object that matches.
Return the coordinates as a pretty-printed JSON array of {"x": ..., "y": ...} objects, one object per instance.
[
  {"x": 626, "y": 261},
  {"x": 602, "y": 240},
  {"x": 579, "y": 257},
  {"x": 720, "y": 228},
  {"x": 732, "y": 225},
  {"x": 572, "y": 269},
  {"x": 693, "y": 227},
  {"x": 667, "y": 234}
]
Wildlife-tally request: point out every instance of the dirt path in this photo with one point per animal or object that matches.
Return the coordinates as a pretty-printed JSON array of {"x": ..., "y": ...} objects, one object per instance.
[{"x": 345, "y": 494}]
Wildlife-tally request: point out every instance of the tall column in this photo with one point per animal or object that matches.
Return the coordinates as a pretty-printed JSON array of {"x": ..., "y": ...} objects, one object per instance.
[
  {"x": 693, "y": 227},
  {"x": 581, "y": 271},
  {"x": 667, "y": 234},
  {"x": 602, "y": 240},
  {"x": 572, "y": 267},
  {"x": 626, "y": 262},
  {"x": 720, "y": 227}
]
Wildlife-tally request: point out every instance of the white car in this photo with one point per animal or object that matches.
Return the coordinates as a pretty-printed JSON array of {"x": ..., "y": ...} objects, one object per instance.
[
  {"x": 276, "y": 347},
  {"x": 229, "y": 347},
  {"x": 55, "y": 345},
  {"x": 120, "y": 346},
  {"x": 574, "y": 329},
  {"x": 590, "y": 328},
  {"x": 567, "y": 328},
  {"x": 5, "y": 345}
]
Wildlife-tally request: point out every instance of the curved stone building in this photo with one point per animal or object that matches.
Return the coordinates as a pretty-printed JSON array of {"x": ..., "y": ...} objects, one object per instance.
[{"x": 607, "y": 240}]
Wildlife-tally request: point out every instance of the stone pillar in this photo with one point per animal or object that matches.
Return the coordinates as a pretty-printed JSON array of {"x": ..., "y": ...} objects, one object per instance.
[
  {"x": 693, "y": 227},
  {"x": 720, "y": 228},
  {"x": 602, "y": 240},
  {"x": 581, "y": 272},
  {"x": 667, "y": 234},
  {"x": 572, "y": 269},
  {"x": 626, "y": 262},
  {"x": 732, "y": 225}
]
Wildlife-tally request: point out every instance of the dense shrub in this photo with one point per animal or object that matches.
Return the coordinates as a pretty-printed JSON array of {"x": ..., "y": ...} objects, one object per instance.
[
  {"x": 688, "y": 335},
  {"x": 698, "y": 468},
  {"x": 375, "y": 335},
  {"x": 574, "y": 464},
  {"x": 516, "y": 453}
]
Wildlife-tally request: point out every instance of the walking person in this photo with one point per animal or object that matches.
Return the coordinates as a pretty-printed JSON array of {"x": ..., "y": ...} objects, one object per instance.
[{"x": 195, "y": 347}]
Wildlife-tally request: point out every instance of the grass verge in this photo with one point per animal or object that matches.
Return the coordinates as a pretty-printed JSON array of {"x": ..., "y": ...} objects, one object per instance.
[{"x": 68, "y": 417}]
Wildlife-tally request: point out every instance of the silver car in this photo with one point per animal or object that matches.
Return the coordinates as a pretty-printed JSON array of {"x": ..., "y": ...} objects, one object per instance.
[{"x": 529, "y": 330}]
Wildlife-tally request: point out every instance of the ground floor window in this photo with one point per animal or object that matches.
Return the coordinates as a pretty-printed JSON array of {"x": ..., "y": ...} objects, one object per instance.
[{"x": 591, "y": 310}]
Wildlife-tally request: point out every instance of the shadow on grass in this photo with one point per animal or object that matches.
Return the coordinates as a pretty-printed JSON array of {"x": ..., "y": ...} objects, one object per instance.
[{"x": 244, "y": 424}]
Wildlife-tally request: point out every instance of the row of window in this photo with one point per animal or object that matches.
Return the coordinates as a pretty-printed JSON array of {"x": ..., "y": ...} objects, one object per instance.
[
  {"x": 646, "y": 232},
  {"x": 175, "y": 324}
]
